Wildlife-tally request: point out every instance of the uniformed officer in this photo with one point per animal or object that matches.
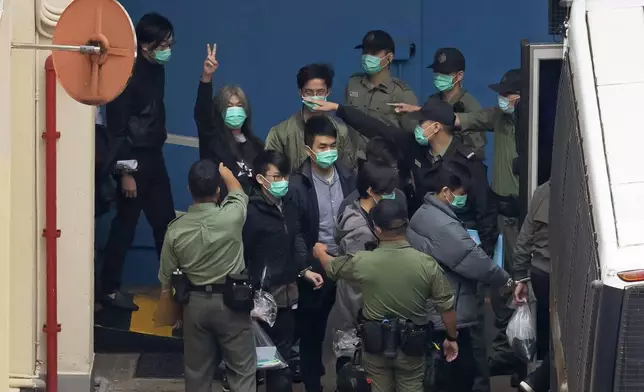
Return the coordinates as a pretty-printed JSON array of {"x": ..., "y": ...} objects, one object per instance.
[
  {"x": 396, "y": 281},
  {"x": 449, "y": 70},
  {"x": 372, "y": 90},
  {"x": 205, "y": 244},
  {"x": 423, "y": 153},
  {"x": 505, "y": 185}
]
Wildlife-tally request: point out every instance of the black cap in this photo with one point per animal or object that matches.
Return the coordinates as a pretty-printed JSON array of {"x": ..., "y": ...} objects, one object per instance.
[
  {"x": 389, "y": 214},
  {"x": 353, "y": 379},
  {"x": 447, "y": 61},
  {"x": 377, "y": 40},
  {"x": 510, "y": 83},
  {"x": 437, "y": 110}
]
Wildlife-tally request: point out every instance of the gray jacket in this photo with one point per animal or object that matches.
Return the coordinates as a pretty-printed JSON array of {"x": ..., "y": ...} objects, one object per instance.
[
  {"x": 434, "y": 229},
  {"x": 351, "y": 235}
]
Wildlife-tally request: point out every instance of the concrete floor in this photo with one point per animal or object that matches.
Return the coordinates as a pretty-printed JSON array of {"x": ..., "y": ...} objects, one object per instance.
[{"x": 119, "y": 370}]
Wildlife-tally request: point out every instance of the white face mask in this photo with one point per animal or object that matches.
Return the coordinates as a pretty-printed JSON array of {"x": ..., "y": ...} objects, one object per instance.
[{"x": 240, "y": 138}]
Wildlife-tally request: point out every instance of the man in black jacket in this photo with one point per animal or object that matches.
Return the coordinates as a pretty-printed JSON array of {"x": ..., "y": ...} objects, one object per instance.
[
  {"x": 317, "y": 191},
  {"x": 273, "y": 241},
  {"x": 136, "y": 123}
]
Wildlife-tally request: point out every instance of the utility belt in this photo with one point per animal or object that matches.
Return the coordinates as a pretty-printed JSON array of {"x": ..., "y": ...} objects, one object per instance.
[
  {"x": 385, "y": 337},
  {"x": 507, "y": 205},
  {"x": 238, "y": 292}
]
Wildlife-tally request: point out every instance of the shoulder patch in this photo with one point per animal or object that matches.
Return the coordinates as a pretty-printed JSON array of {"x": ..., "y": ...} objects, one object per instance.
[{"x": 403, "y": 85}]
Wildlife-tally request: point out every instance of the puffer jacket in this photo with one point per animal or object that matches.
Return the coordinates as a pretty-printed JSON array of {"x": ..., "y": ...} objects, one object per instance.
[{"x": 434, "y": 229}]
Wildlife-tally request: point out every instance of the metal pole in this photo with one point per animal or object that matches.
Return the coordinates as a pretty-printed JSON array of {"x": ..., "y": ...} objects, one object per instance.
[{"x": 68, "y": 48}]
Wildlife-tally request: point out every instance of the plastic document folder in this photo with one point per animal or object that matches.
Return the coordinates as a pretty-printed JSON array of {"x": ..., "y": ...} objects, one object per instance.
[
  {"x": 498, "y": 248},
  {"x": 475, "y": 236}
]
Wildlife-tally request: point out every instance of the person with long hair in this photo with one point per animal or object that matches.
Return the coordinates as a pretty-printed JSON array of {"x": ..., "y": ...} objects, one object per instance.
[{"x": 224, "y": 124}]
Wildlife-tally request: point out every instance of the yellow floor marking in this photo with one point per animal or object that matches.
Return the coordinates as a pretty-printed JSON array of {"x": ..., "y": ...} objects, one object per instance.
[{"x": 142, "y": 320}]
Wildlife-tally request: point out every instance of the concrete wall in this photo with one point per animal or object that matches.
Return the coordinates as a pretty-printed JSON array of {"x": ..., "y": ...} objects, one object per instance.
[{"x": 26, "y": 212}]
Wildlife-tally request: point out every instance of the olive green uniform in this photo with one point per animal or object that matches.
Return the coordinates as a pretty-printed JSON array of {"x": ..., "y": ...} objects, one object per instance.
[
  {"x": 396, "y": 281},
  {"x": 206, "y": 244},
  {"x": 472, "y": 137},
  {"x": 504, "y": 183},
  {"x": 287, "y": 137},
  {"x": 373, "y": 100}
]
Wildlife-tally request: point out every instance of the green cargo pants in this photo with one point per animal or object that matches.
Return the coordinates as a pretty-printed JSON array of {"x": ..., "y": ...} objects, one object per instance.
[
  {"x": 404, "y": 373},
  {"x": 212, "y": 332}
]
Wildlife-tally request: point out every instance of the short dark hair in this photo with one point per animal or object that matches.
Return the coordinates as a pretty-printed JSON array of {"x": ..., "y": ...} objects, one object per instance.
[
  {"x": 203, "y": 179},
  {"x": 452, "y": 175},
  {"x": 380, "y": 151},
  {"x": 271, "y": 157},
  {"x": 153, "y": 28},
  {"x": 381, "y": 179},
  {"x": 315, "y": 71},
  {"x": 390, "y": 216},
  {"x": 318, "y": 126}
]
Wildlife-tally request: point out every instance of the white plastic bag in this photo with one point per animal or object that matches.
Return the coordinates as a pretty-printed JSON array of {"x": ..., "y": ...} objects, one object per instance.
[
  {"x": 268, "y": 358},
  {"x": 345, "y": 343},
  {"x": 522, "y": 334},
  {"x": 265, "y": 307}
]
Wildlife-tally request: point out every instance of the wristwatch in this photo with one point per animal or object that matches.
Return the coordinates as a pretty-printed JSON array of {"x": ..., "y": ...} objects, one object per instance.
[{"x": 451, "y": 339}]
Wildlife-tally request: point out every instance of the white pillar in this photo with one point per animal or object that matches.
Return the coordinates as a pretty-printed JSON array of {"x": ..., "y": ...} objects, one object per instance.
[{"x": 5, "y": 186}]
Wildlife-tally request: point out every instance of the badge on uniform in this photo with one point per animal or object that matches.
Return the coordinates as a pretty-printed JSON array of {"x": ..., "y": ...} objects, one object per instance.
[{"x": 353, "y": 94}]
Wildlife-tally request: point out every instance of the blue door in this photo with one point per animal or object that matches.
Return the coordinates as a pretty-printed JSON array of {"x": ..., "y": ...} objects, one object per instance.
[{"x": 260, "y": 46}]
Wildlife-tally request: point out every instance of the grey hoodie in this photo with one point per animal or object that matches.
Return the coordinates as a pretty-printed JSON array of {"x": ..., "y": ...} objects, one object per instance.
[{"x": 351, "y": 234}]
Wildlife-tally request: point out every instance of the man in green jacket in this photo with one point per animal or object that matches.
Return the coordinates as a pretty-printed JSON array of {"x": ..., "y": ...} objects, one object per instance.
[{"x": 313, "y": 81}]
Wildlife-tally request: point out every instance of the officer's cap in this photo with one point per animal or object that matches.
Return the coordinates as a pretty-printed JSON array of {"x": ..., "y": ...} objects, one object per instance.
[
  {"x": 389, "y": 214},
  {"x": 377, "y": 40},
  {"x": 447, "y": 61},
  {"x": 509, "y": 84},
  {"x": 435, "y": 110},
  {"x": 353, "y": 379}
]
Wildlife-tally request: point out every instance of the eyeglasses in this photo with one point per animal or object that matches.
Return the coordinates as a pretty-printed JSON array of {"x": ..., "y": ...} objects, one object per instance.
[{"x": 275, "y": 177}]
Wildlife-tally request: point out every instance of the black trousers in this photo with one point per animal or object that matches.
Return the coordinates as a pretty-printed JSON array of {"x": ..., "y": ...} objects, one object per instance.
[
  {"x": 541, "y": 287},
  {"x": 281, "y": 333},
  {"x": 310, "y": 326},
  {"x": 154, "y": 198},
  {"x": 458, "y": 375}
]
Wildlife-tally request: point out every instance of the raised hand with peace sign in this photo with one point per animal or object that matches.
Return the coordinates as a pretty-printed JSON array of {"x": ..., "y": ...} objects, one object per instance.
[{"x": 211, "y": 64}]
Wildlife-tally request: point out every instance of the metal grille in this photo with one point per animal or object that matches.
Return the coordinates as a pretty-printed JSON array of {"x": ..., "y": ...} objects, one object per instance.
[
  {"x": 572, "y": 240},
  {"x": 556, "y": 17},
  {"x": 629, "y": 370}
]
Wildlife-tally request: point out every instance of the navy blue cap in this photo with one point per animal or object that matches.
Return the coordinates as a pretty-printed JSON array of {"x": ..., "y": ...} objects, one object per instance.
[
  {"x": 448, "y": 61},
  {"x": 436, "y": 110},
  {"x": 377, "y": 40}
]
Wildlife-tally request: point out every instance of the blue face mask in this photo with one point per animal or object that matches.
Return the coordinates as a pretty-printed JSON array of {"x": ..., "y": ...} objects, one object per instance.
[
  {"x": 234, "y": 117},
  {"x": 419, "y": 134},
  {"x": 505, "y": 106},
  {"x": 459, "y": 201},
  {"x": 391, "y": 196},
  {"x": 278, "y": 189},
  {"x": 310, "y": 105},
  {"x": 371, "y": 64},
  {"x": 162, "y": 56},
  {"x": 326, "y": 159},
  {"x": 443, "y": 82}
]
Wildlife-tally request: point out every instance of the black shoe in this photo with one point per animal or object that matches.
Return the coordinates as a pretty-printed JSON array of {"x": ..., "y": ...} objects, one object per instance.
[{"x": 119, "y": 300}]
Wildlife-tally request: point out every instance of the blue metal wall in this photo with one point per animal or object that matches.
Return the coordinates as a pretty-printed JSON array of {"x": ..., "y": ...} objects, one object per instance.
[{"x": 261, "y": 45}]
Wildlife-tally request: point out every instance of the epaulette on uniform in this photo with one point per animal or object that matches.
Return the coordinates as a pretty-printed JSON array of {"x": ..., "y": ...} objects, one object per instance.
[
  {"x": 176, "y": 219},
  {"x": 403, "y": 85},
  {"x": 469, "y": 153},
  {"x": 358, "y": 75}
]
